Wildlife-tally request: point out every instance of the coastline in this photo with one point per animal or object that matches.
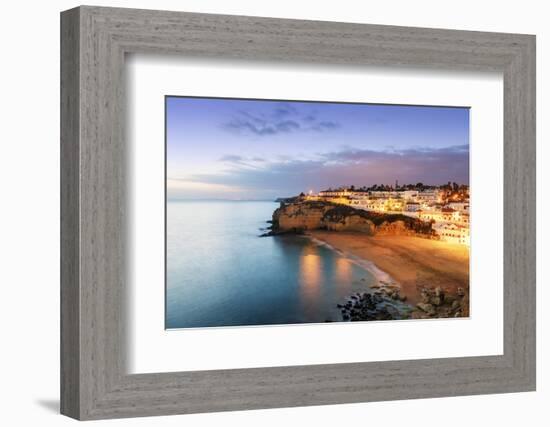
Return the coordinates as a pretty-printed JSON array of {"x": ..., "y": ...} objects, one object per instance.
[
  {"x": 412, "y": 262},
  {"x": 371, "y": 267}
]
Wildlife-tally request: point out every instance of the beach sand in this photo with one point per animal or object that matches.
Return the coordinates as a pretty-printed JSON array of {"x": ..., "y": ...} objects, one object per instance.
[{"x": 411, "y": 261}]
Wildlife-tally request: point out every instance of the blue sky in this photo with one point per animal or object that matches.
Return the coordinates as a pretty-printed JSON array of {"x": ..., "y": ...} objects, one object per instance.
[{"x": 259, "y": 149}]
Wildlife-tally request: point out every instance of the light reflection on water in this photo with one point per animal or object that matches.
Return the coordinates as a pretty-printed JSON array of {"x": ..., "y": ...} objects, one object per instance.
[
  {"x": 220, "y": 273},
  {"x": 310, "y": 279},
  {"x": 344, "y": 274}
]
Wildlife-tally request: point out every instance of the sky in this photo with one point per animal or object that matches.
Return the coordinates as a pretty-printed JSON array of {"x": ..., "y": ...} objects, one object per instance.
[{"x": 239, "y": 149}]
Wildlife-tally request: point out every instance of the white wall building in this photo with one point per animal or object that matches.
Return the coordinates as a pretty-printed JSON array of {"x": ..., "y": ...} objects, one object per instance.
[
  {"x": 460, "y": 206},
  {"x": 453, "y": 233},
  {"x": 429, "y": 196},
  {"x": 409, "y": 195},
  {"x": 412, "y": 207}
]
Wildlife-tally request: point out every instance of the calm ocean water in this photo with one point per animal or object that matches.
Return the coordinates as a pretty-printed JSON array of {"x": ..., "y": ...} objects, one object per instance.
[{"x": 220, "y": 273}]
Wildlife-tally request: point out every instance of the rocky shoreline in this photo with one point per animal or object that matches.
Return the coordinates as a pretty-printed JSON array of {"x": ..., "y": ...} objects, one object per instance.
[
  {"x": 297, "y": 217},
  {"x": 426, "y": 287},
  {"x": 386, "y": 302},
  {"x": 437, "y": 302}
]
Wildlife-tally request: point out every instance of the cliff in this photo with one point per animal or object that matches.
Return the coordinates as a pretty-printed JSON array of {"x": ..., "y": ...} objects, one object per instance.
[{"x": 312, "y": 215}]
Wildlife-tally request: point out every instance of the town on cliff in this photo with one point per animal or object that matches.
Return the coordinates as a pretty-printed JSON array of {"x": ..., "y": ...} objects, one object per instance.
[{"x": 437, "y": 212}]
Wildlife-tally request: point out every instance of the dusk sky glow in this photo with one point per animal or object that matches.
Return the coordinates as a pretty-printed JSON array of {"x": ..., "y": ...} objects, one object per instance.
[{"x": 251, "y": 149}]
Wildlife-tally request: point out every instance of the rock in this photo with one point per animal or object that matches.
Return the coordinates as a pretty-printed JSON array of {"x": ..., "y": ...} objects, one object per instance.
[
  {"x": 444, "y": 312},
  {"x": 393, "y": 312},
  {"x": 460, "y": 292},
  {"x": 403, "y": 298},
  {"x": 455, "y": 305},
  {"x": 439, "y": 292},
  {"x": 427, "y": 308},
  {"x": 419, "y": 314},
  {"x": 383, "y": 314},
  {"x": 366, "y": 306},
  {"x": 425, "y": 296},
  {"x": 437, "y": 300},
  {"x": 449, "y": 299},
  {"x": 296, "y": 215}
]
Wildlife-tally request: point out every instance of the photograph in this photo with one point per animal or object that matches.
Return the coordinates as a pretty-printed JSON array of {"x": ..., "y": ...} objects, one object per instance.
[{"x": 286, "y": 212}]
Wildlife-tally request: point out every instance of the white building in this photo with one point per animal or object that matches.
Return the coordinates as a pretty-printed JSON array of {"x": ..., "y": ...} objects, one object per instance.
[
  {"x": 453, "y": 233},
  {"x": 410, "y": 195},
  {"x": 429, "y": 196},
  {"x": 368, "y": 204},
  {"x": 335, "y": 193},
  {"x": 412, "y": 207},
  {"x": 459, "y": 206}
]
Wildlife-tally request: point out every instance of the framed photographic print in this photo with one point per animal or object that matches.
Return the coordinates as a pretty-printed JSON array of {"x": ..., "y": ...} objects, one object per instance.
[{"x": 262, "y": 213}]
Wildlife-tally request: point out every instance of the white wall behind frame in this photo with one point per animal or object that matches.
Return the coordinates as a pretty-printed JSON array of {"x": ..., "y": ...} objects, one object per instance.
[
  {"x": 152, "y": 349},
  {"x": 29, "y": 172}
]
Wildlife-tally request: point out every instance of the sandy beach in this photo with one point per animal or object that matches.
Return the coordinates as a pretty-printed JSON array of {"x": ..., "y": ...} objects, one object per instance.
[{"x": 411, "y": 261}]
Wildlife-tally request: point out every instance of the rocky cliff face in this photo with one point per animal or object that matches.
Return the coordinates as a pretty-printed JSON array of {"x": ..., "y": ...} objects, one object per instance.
[{"x": 303, "y": 216}]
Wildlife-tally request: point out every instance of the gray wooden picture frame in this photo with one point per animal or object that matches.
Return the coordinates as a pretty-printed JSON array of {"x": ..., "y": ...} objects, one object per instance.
[{"x": 94, "y": 381}]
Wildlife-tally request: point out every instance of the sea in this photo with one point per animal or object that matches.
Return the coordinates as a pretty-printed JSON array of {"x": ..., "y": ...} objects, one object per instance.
[{"x": 220, "y": 272}]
